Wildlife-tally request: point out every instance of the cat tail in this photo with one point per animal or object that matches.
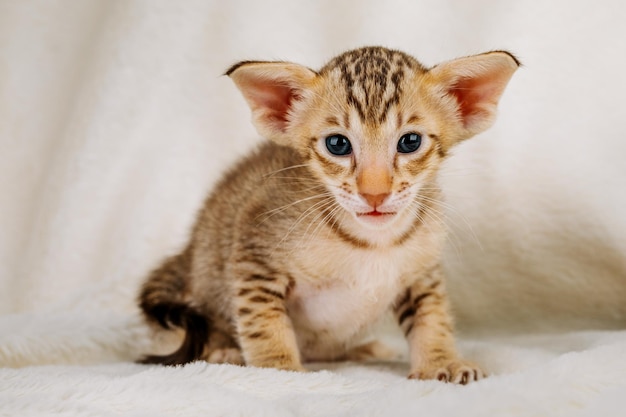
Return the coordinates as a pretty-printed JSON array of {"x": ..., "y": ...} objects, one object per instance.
[{"x": 162, "y": 300}]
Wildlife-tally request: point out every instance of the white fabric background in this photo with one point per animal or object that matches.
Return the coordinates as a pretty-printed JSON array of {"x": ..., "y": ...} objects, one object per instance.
[{"x": 115, "y": 121}]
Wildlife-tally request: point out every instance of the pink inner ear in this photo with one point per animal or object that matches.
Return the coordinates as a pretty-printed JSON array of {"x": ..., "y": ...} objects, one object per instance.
[
  {"x": 473, "y": 93},
  {"x": 275, "y": 99}
]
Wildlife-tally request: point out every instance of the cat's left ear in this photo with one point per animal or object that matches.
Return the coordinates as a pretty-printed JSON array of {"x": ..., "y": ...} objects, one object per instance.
[
  {"x": 475, "y": 84},
  {"x": 272, "y": 89}
]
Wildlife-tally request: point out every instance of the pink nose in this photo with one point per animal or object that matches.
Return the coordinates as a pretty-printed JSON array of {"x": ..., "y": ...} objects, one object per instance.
[{"x": 375, "y": 200}]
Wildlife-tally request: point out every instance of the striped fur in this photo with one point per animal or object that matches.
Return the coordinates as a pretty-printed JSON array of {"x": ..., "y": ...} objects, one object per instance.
[{"x": 297, "y": 250}]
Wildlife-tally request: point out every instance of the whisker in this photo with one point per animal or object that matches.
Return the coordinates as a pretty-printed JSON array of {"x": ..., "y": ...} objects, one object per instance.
[
  {"x": 304, "y": 180},
  {"x": 269, "y": 174},
  {"x": 335, "y": 219},
  {"x": 440, "y": 217},
  {"x": 330, "y": 214},
  {"x": 300, "y": 191},
  {"x": 312, "y": 209},
  {"x": 290, "y": 177},
  {"x": 271, "y": 212},
  {"x": 452, "y": 210},
  {"x": 306, "y": 237},
  {"x": 315, "y": 220}
]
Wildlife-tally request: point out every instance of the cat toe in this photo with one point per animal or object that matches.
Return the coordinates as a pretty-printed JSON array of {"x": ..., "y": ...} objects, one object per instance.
[{"x": 457, "y": 372}]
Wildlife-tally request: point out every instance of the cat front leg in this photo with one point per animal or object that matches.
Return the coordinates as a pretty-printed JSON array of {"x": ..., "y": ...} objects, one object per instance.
[
  {"x": 423, "y": 314},
  {"x": 264, "y": 329}
]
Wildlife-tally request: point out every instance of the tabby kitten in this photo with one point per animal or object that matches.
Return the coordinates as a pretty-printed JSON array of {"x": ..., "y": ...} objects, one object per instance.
[{"x": 333, "y": 221}]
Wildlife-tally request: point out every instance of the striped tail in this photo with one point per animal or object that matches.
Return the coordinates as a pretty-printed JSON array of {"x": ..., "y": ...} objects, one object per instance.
[{"x": 161, "y": 300}]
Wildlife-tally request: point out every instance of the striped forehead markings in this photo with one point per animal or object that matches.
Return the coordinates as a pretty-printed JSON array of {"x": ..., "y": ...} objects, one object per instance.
[{"x": 372, "y": 79}]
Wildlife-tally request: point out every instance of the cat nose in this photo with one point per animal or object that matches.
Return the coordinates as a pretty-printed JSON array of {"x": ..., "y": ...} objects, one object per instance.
[
  {"x": 374, "y": 182},
  {"x": 375, "y": 200}
]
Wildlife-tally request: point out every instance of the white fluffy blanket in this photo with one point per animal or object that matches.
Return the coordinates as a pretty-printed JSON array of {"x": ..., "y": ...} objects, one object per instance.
[
  {"x": 580, "y": 374},
  {"x": 115, "y": 121}
]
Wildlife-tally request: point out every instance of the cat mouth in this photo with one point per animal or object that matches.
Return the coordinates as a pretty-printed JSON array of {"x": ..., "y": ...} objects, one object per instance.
[
  {"x": 376, "y": 213},
  {"x": 376, "y": 218}
]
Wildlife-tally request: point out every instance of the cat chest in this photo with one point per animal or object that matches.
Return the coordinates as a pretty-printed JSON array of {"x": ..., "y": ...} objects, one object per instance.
[{"x": 343, "y": 291}]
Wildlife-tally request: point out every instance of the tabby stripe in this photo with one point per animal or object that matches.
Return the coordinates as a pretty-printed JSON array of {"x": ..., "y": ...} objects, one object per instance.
[
  {"x": 434, "y": 285},
  {"x": 409, "y": 312},
  {"x": 257, "y": 277},
  {"x": 405, "y": 299},
  {"x": 257, "y": 335},
  {"x": 244, "y": 291},
  {"x": 291, "y": 284},
  {"x": 418, "y": 300},
  {"x": 331, "y": 120},
  {"x": 415, "y": 166},
  {"x": 414, "y": 119},
  {"x": 260, "y": 299},
  {"x": 244, "y": 311},
  {"x": 438, "y": 145},
  {"x": 273, "y": 293},
  {"x": 329, "y": 167},
  {"x": 252, "y": 246},
  {"x": 424, "y": 313},
  {"x": 398, "y": 120},
  {"x": 266, "y": 291},
  {"x": 277, "y": 309},
  {"x": 343, "y": 235},
  {"x": 417, "y": 222},
  {"x": 258, "y": 260},
  {"x": 408, "y": 330},
  {"x": 266, "y": 314},
  {"x": 396, "y": 79},
  {"x": 346, "y": 120}
]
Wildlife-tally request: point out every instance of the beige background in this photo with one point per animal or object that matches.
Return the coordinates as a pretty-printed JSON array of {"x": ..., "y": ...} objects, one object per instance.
[{"x": 115, "y": 121}]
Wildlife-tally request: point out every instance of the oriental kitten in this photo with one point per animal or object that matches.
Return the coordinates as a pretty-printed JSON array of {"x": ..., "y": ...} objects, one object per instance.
[{"x": 333, "y": 220}]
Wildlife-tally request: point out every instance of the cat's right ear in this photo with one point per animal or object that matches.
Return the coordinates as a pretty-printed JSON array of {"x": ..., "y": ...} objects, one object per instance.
[
  {"x": 475, "y": 84},
  {"x": 272, "y": 90}
]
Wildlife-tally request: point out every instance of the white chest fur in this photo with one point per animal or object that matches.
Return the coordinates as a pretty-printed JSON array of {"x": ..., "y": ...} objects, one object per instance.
[{"x": 341, "y": 291}]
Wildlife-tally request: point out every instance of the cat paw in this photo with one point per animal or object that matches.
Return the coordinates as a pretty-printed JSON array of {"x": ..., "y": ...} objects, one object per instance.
[
  {"x": 455, "y": 371},
  {"x": 374, "y": 350},
  {"x": 226, "y": 355},
  {"x": 284, "y": 367},
  {"x": 282, "y": 362}
]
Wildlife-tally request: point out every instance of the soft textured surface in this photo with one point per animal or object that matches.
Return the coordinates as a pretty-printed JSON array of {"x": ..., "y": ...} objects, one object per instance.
[
  {"x": 115, "y": 121},
  {"x": 578, "y": 374}
]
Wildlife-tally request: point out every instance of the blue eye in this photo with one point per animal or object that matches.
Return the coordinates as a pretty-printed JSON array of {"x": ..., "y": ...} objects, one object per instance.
[
  {"x": 409, "y": 142},
  {"x": 338, "y": 145}
]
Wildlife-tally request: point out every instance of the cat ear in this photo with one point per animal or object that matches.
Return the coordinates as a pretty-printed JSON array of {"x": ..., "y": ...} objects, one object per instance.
[
  {"x": 271, "y": 90},
  {"x": 476, "y": 84}
]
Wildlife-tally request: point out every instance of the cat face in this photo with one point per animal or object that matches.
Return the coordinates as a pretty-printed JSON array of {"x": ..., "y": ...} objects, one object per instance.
[
  {"x": 375, "y": 171},
  {"x": 374, "y": 124}
]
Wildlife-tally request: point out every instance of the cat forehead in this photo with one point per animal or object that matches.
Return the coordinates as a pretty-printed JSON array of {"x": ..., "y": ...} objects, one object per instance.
[{"x": 371, "y": 79}]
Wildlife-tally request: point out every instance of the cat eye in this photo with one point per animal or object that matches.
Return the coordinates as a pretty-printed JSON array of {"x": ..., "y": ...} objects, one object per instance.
[
  {"x": 409, "y": 142},
  {"x": 338, "y": 145}
]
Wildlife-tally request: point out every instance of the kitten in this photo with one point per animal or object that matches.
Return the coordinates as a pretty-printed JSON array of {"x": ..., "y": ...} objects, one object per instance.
[{"x": 333, "y": 221}]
